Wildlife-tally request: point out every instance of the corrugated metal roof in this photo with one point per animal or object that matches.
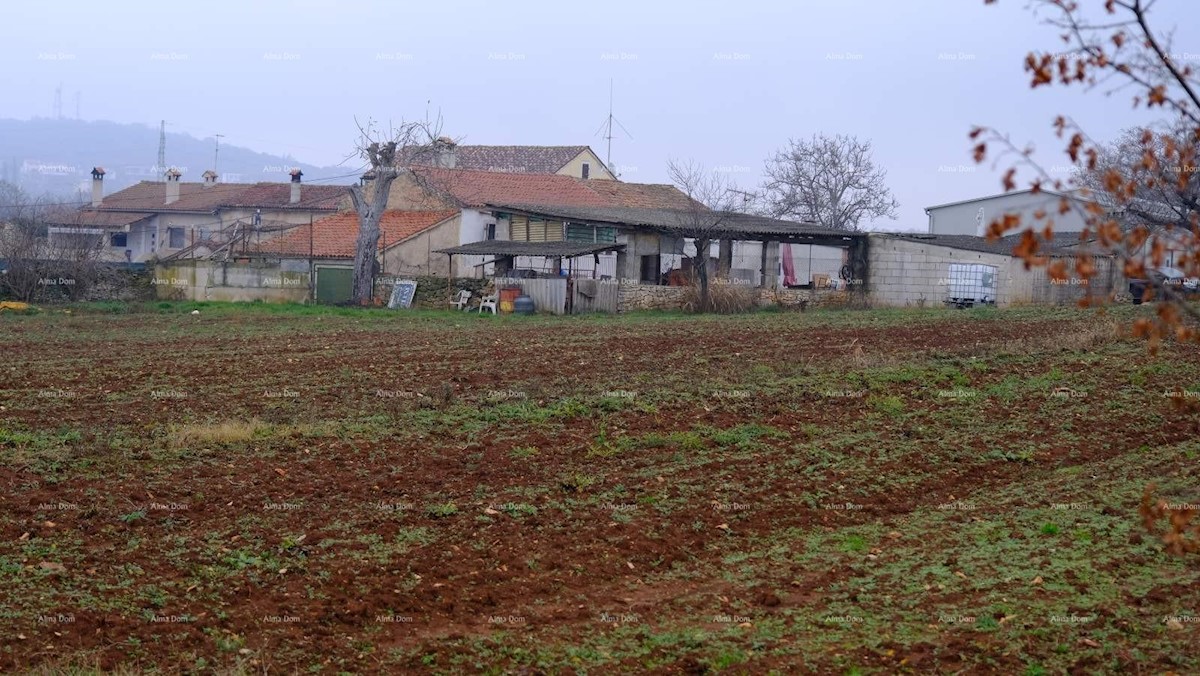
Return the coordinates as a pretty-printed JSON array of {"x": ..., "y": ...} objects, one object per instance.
[
  {"x": 1063, "y": 243},
  {"x": 717, "y": 223},
  {"x": 504, "y": 247}
]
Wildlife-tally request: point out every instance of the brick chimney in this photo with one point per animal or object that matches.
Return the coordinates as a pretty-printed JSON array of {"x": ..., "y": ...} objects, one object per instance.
[
  {"x": 295, "y": 197},
  {"x": 97, "y": 186},
  {"x": 210, "y": 178},
  {"x": 445, "y": 152},
  {"x": 172, "y": 177}
]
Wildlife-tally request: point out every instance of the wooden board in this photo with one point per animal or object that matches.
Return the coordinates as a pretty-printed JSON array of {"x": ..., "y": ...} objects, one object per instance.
[{"x": 402, "y": 293}]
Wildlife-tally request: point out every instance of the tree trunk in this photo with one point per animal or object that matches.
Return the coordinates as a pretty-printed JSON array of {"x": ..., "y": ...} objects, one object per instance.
[
  {"x": 703, "y": 244},
  {"x": 370, "y": 213},
  {"x": 724, "y": 257}
]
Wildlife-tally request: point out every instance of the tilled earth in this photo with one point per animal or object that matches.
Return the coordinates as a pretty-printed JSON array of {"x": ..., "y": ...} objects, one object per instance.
[{"x": 252, "y": 491}]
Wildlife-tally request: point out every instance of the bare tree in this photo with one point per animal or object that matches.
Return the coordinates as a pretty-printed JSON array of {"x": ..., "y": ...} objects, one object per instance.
[
  {"x": 48, "y": 251},
  {"x": 713, "y": 201},
  {"x": 1160, "y": 199},
  {"x": 828, "y": 180},
  {"x": 415, "y": 143}
]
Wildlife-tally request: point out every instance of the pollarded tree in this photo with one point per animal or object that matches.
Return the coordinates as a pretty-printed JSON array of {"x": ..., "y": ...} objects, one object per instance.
[
  {"x": 830, "y": 180},
  {"x": 382, "y": 151}
]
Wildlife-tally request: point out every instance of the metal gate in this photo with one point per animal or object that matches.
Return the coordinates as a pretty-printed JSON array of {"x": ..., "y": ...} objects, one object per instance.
[
  {"x": 593, "y": 295},
  {"x": 334, "y": 285}
]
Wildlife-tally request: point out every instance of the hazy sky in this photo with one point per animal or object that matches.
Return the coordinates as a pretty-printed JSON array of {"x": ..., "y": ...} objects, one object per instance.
[{"x": 724, "y": 83}]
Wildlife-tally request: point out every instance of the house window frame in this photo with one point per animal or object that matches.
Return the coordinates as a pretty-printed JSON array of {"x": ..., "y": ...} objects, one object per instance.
[
  {"x": 172, "y": 230},
  {"x": 113, "y": 239}
]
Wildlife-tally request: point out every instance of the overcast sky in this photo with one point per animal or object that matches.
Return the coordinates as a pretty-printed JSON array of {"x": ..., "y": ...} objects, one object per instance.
[{"x": 723, "y": 83}]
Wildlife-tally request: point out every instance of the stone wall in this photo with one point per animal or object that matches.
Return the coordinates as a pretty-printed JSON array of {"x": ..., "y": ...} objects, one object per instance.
[
  {"x": 801, "y": 299},
  {"x": 632, "y": 297},
  {"x": 431, "y": 291},
  {"x": 650, "y": 297}
]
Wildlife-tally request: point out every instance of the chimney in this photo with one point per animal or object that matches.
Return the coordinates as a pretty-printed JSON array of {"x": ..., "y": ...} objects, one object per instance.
[
  {"x": 445, "y": 152},
  {"x": 172, "y": 177},
  {"x": 97, "y": 186},
  {"x": 295, "y": 197},
  {"x": 210, "y": 178}
]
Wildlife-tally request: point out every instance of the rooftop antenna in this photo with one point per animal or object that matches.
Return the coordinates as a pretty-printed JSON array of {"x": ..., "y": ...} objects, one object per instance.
[
  {"x": 217, "y": 151},
  {"x": 607, "y": 127}
]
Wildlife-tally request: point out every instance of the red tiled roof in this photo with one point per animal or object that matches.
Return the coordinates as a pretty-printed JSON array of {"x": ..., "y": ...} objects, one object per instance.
[
  {"x": 479, "y": 188},
  {"x": 506, "y": 159},
  {"x": 151, "y": 195},
  {"x": 278, "y": 196},
  {"x": 642, "y": 195},
  {"x": 97, "y": 219},
  {"x": 335, "y": 236}
]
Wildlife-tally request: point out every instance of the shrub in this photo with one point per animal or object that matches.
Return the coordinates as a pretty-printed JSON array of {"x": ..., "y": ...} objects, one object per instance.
[{"x": 724, "y": 297}]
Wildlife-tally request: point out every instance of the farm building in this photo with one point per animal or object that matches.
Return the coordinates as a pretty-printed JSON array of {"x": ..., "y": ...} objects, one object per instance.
[{"x": 913, "y": 269}]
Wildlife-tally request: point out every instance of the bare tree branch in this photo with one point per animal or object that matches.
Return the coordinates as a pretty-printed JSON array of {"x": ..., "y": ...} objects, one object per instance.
[{"x": 832, "y": 181}]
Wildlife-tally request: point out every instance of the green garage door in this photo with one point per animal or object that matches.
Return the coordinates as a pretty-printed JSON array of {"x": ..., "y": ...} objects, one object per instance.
[{"x": 334, "y": 285}]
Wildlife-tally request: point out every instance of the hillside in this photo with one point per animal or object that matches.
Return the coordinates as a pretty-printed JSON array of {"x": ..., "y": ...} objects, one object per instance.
[{"x": 45, "y": 155}]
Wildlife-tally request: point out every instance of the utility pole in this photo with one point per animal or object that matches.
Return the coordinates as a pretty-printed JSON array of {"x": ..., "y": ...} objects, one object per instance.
[
  {"x": 58, "y": 101},
  {"x": 217, "y": 153},
  {"x": 162, "y": 149}
]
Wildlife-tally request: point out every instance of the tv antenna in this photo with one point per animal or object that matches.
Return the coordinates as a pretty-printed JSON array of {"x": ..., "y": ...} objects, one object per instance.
[{"x": 607, "y": 128}]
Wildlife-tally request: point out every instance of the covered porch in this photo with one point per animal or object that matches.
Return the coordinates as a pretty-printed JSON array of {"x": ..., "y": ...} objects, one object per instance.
[{"x": 557, "y": 288}]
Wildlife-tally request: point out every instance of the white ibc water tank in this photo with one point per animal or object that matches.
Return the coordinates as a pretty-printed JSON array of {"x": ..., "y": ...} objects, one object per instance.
[{"x": 971, "y": 284}]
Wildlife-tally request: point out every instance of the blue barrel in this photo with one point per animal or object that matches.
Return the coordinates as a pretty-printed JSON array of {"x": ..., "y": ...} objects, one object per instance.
[{"x": 523, "y": 305}]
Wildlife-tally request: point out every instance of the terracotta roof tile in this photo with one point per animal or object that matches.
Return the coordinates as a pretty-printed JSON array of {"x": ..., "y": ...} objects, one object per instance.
[
  {"x": 481, "y": 188},
  {"x": 513, "y": 159},
  {"x": 335, "y": 236},
  {"x": 98, "y": 219},
  {"x": 151, "y": 195}
]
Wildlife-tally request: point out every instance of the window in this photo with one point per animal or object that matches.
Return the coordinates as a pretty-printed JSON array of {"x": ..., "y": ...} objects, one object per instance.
[
  {"x": 175, "y": 238},
  {"x": 581, "y": 232},
  {"x": 491, "y": 231},
  {"x": 587, "y": 169},
  {"x": 119, "y": 239}
]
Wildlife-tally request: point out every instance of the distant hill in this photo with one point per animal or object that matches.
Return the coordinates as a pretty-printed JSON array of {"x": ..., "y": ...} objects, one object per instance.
[{"x": 55, "y": 156}]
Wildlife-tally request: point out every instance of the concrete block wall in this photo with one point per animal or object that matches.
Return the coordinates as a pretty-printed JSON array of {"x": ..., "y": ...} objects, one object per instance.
[{"x": 909, "y": 274}]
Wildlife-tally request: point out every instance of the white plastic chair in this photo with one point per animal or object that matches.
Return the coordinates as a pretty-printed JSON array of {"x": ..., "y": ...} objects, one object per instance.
[
  {"x": 462, "y": 301},
  {"x": 488, "y": 303}
]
